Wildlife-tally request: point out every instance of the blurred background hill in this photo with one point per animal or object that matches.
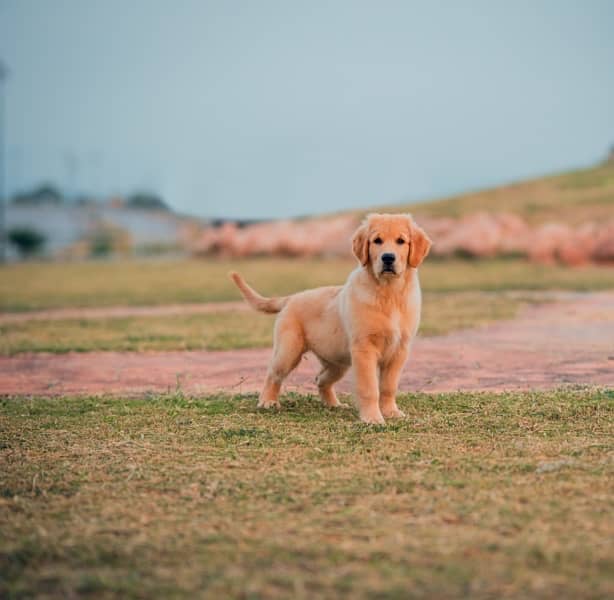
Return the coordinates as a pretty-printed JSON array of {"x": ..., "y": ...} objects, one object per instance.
[
  {"x": 571, "y": 198},
  {"x": 251, "y": 112},
  {"x": 568, "y": 217},
  {"x": 140, "y": 224}
]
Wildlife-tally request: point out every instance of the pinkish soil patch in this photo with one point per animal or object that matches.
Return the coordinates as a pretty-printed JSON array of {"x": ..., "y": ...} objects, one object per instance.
[{"x": 547, "y": 346}]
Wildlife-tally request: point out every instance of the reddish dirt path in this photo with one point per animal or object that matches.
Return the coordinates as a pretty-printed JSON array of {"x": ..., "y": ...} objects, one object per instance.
[{"x": 547, "y": 346}]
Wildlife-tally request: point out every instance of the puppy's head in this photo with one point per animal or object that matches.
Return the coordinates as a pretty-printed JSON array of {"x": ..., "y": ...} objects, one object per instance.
[{"x": 390, "y": 244}]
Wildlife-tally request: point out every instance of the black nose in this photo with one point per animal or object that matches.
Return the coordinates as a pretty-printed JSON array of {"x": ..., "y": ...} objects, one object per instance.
[{"x": 388, "y": 258}]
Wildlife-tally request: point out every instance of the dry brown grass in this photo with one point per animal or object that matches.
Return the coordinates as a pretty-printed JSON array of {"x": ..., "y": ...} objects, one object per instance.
[
  {"x": 225, "y": 330},
  {"x": 576, "y": 197},
  {"x": 153, "y": 282},
  {"x": 41, "y": 285},
  {"x": 473, "y": 495}
]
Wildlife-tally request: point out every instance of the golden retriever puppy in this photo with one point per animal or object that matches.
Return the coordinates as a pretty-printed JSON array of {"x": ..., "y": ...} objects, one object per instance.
[{"x": 368, "y": 323}]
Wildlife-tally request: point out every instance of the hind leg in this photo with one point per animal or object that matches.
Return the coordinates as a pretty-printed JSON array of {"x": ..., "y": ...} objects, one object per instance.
[
  {"x": 288, "y": 349},
  {"x": 326, "y": 378}
]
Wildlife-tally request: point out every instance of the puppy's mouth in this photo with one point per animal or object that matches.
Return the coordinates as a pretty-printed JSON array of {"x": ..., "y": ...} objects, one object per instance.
[{"x": 388, "y": 271}]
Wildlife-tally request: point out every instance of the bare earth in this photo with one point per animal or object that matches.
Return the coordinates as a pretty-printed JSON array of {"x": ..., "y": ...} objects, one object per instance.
[{"x": 547, "y": 346}]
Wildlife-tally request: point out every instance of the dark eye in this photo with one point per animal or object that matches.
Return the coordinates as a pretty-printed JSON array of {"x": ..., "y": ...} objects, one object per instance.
[
  {"x": 400, "y": 241},
  {"x": 378, "y": 241}
]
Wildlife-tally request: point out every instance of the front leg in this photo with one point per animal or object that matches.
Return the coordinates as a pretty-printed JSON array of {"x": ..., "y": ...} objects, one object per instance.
[
  {"x": 364, "y": 361},
  {"x": 388, "y": 384}
]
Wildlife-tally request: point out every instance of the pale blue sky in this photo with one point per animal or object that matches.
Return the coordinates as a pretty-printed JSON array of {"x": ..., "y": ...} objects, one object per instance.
[{"x": 276, "y": 108}]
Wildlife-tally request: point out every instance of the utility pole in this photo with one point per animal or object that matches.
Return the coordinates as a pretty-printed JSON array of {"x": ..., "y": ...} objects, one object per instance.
[{"x": 4, "y": 72}]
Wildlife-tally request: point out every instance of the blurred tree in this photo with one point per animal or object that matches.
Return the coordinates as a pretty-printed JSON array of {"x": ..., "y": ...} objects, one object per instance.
[
  {"x": 27, "y": 240},
  {"x": 146, "y": 201},
  {"x": 101, "y": 243},
  {"x": 107, "y": 239},
  {"x": 43, "y": 194}
]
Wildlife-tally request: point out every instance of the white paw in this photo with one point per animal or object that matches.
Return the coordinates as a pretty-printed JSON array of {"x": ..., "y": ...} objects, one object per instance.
[
  {"x": 373, "y": 419},
  {"x": 267, "y": 404},
  {"x": 339, "y": 405},
  {"x": 394, "y": 413}
]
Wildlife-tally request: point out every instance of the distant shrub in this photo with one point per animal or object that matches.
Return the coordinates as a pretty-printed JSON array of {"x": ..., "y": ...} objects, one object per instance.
[
  {"x": 101, "y": 243},
  {"x": 109, "y": 239},
  {"x": 43, "y": 194},
  {"x": 158, "y": 248},
  {"x": 146, "y": 201},
  {"x": 27, "y": 240}
]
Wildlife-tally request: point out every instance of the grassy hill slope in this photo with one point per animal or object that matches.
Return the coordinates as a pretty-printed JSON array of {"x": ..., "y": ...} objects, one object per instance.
[{"x": 574, "y": 197}]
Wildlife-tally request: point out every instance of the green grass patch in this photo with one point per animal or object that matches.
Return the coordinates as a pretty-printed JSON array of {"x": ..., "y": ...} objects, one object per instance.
[
  {"x": 225, "y": 330},
  {"x": 57, "y": 285},
  {"x": 219, "y": 331},
  {"x": 475, "y": 495},
  {"x": 31, "y": 286}
]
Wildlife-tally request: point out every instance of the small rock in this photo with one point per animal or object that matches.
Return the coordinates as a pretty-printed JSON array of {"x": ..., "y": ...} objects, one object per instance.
[{"x": 549, "y": 467}]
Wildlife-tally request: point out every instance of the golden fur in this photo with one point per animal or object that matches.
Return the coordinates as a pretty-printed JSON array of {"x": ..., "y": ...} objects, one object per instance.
[{"x": 368, "y": 323}]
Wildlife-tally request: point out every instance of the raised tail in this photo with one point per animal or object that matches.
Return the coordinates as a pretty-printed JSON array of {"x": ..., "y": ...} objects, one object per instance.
[{"x": 255, "y": 300}]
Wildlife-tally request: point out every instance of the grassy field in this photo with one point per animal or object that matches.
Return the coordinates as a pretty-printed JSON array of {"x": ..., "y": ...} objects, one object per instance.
[
  {"x": 574, "y": 197},
  {"x": 457, "y": 294},
  {"x": 53, "y": 285},
  {"x": 483, "y": 496},
  {"x": 224, "y": 330}
]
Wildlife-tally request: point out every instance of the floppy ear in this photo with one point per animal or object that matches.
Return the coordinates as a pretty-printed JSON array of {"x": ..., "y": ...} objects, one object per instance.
[
  {"x": 360, "y": 244},
  {"x": 420, "y": 244}
]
